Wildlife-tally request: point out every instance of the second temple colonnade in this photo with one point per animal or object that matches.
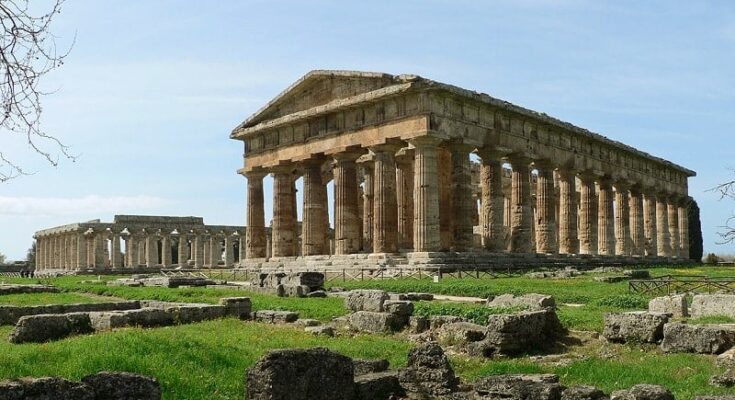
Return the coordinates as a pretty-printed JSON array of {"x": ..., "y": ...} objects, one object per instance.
[{"x": 399, "y": 151}]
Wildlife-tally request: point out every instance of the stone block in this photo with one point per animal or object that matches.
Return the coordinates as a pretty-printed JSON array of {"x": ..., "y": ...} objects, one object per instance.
[
  {"x": 191, "y": 313},
  {"x": 460, "y": 333},
  {"x": 276, "y": 317},
  {"x": 635, "y": 326},
  {"x": 20, "y": 289},
  {"x": 725, "y": 380},
  {"x": 637, "y": 273},
  {"x": 47, "y": 327},
  {"x": 583, "y": 392},
  {"x": 532, "y": 301},
  {"x": 412, "y": 296},
  {"x": 643, "y": 392},
  {"x": 295, "y": 290},
  {"x": 144, "y": 318},
  {"x": 676, "y": 305},
  {"x": 44, "y": 389},
  {"x": 317, "y": 294},
  {"x": 366, "y": 300},
  {"x": 380, "y": 385},
  {"x": 428, "y": 372},
  {"x": 418, "y": 324},
  {"x": 518, "y": 332},
  {"x": 320, "y": 330},
  {"x": 401, "y": 308},
  {"x": 706, "y": 339},
  {"x": 301, "y": 374},
  {"x": 11, "y": 314},
  {"x": 375, "y": 322},
  {"x": 708, "y": 305},
  {"x": 238, "y": 307},
  {"x": 312, "y": 280},
  {"x": 123, "y": 386},
  {"x": 519, "y": 387},
  {"x": 363, "y": 367},
  {"x": 436, "y": 321},
  {"x": 308, "y": 322},
  {"x": 726, "y": 359}
]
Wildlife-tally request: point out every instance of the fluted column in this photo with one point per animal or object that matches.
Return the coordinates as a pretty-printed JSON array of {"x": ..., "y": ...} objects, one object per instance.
[
  {"x": 404, "y": 192},
  {"x": 183, "y": 249},
  {"x": 684, "y": 228},
  {"x": 426, "y": 234},
  {"x": 367, "y": 201},
  {"x": 214, "y": 251},
  {"x": 568, "y": 241},
  {"x": 521, "y": 239},
  {"x": 313, "y": 236},
  {"x": 444, "y": 172},
  {"x": 131, "y": 250},
  {"x": 545, "y": 210},
  {"x": 198, "y": 249},
  {"x": 385, "y": 204},
  {"x": 587, "y": 215},
  {"x": 622, "y": 220},
  {"x": 64, "y": 251},
  {"x": 673, "y": 209},
  {"x": 346, "y": 233},
  {"x": 662, "y": 225},
  {"x": 462, "y": 232},
  {"x": 605, "y": 219},
  {"x": 650, "y": 226},
  {"x": 115, "y": 255},
  {"x": 151, "y": 250},
  {"x": 166, "y": 250},
  {"x": 241, "y": 241},
  {"x": 284, "y": 220},
  {"x": 637, "y": 231},
  {"x": 492, "y": 202},
  {"x": 255, "y": 242},
  {"x": 229, "y": 250}
]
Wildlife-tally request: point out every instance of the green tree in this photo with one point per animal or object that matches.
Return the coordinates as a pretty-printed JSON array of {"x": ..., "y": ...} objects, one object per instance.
[
  {"x": 31, "y": 256},
  {"x": 2, "y": 258},
  {"x": 696, "y": 248}
]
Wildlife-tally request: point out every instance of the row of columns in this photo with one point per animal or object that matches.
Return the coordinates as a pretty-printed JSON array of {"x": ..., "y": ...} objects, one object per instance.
[{"x": 420, "y": 199}]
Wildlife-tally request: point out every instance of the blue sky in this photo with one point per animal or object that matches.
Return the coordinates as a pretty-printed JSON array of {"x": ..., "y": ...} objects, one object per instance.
[{"x": 151, "y": 89}]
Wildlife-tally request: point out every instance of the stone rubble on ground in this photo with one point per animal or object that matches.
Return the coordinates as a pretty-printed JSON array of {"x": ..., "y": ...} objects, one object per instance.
[{"x": 635, "y": 326}]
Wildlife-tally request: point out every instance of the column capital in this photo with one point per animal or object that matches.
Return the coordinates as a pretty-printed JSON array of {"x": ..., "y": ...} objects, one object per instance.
[
  {"x": 256, "y": 174},
  {"x": 543, "y": 164},
  {"x": 425, "y": 141},
  {"x": 347, "y": 156},
  {"x": 405, "y": 155},
  {"x": 519, "y": 159},
  {"x": 492, "y": 153}
]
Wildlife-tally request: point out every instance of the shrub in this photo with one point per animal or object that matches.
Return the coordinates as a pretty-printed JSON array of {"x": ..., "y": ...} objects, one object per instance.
[{"x": 627, "y": 301}]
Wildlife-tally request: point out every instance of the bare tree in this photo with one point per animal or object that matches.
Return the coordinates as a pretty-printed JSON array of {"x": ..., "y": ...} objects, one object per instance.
[
  {"x": 27, "y": 52},
  {"x": 727, "y": 190}
]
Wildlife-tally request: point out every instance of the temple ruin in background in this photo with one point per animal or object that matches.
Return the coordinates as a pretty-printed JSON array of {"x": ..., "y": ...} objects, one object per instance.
[
  {"x": 399, "y": 150},
  {"x": 135, "y": 242}
]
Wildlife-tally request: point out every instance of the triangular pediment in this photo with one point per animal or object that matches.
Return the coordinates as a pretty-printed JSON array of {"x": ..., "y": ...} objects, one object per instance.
[{"x": 317, "y": 88}]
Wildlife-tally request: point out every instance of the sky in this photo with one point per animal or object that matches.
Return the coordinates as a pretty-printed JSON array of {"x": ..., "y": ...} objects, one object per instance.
[{"x": 151, "y": 90}]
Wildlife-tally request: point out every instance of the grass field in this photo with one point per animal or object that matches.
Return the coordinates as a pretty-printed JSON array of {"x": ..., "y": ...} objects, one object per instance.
[
  {"x": 35, "y": 299},
  {"x": 208, "y": 360}
]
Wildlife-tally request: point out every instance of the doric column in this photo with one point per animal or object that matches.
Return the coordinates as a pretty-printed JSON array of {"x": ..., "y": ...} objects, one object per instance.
[
  {"x": 64, "y": 251},
  {"x": 115, "y": 255},
  {"x": 662, "y": 225},
  {"x": 622, "y": 220},
  {"x": 637, "y": 231},
  {"x": 141, "y": 248},
  {"x": 568, "y": 241},
  {"x": 587, "y": 215},
  {"x": 426, "y": 234},
  {"x": 255, "y": 242},
  {"x": 368, "y": 168},
  {"x": 492, "y": 202},
  {"x": 100, "y": 242},
  {"x": 81, "y": 248},
  {"x": 650, "y": 226},
  {"x": 313, "y": 236},
  {"x": 385, "y": 204},
  {"x": 131, "y": 250},
  {"x": 673, "y": 209},
  {"x": 151, "y": 249},
  {"x": 521, "y": 238},
  {"x": 284, "y": 220},
  {"x": 605, "y": 219},
  {"x": 183, "y": 248},
  {"x": 545, "y": 209},
  {"x": 404, "y": 193},
  {"x": 229, "y": 250},
  {"x": 346, "y": 233},
  {"x": 684, "y": 228},
  {"x": 215, "y": 251},
  {"x": 125, "y": 236},
  {"x": 241, "y": 241},
  {"x": 198, "y": 249},
  {"x": 444, "y": 172},
  {"x": 166, "y": 249},
  {"x": 461, "y": 185}
]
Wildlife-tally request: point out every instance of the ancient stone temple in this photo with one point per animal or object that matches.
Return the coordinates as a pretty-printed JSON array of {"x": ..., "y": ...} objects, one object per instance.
[
  {"x": 134, "y": 242},
  {"x": 400, "y": 150}
]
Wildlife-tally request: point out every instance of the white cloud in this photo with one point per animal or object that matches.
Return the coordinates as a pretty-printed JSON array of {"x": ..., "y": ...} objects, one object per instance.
[{"x": 81, "y": 205}]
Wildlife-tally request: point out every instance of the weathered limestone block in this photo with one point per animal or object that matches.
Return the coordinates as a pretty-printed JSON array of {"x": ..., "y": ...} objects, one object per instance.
[
  {"x": 369, "y": 321},
  {"x": 363, "y": 367},
  {"x": 704, "y": 305},
  {"x": 635, "y": 326},
  {"x": 724, "y": 380},
  {"x": 418, "y": 324},
  {"x": 412, "y": 296},
  {"x": 706, "y": 339},
  {"x": 460, "y": 333},
  {"x": 519, "y": 387},
  {"x": 532, "y": 301},
  {"x": 144, "y": 318},
  {"x": 643, "y": 392},
  {"x": 295, "y": 290},
  {"x": 676, "y": 305},
  {"x": 44, "y": 389},
  {"x": 320, "y": 330},
  {"x": 191, "y": 313},
  {"x": 301, "y": 374},
  {"x": 514, "y": 333},
  {"x": 428, "y": 372},
  {"x": 275, "y": 317},
  {"x": 11, "y": 314},
  {"x": 18, "y": 289},
  {"x": 379, "y": 385},
  {"x": 313, "y": 280},
  {"x": 176, "y": 281},
  {"x": 308, "y": 322},
  {"x": 726, "y": 359},
  {"x": 123, "y": 386},
  {"x": 366, "y": 300},
  {"x": 583, "y": 392},
  {"x": 47, "y": 327},
  {"x": 436, "y": 321},
  {"x": 637, "y": 273},
  {"x": 238, "y": 307}
]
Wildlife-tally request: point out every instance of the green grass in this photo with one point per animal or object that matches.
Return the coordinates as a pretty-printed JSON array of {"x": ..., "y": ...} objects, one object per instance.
[
  {"x": 714, "y": 319},
  {"x": 35, "y": 299}
]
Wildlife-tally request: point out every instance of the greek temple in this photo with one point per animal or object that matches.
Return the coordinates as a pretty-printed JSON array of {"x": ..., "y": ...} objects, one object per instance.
[{"x": 401, "y": 151}]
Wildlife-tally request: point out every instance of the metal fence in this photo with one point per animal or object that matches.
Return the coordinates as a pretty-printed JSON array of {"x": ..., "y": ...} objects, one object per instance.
[{"x": 670, "y": 284}]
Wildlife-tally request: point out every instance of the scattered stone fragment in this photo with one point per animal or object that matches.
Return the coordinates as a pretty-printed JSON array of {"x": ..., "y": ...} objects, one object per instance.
[
  {"x": 612, "y": 279},
  {"x": 460, "y": 333},
  {"x": 706, "y": 339},
  {"x": 363, "y": 367},
  {"x": 726, "y": 359},
  {"x": 317, "y": 293},
  {"x": 583, "y": 392},
  {"x": 643, "y": 392},
  {"x": 518, "y": 332},
  {"x": 123, "y": 386},
  {"x": 436, "y": 321},
  {"x": 519, "y": 387},
  {"x": 428, "y": 372},
  {"x": 635, "y": 326},
  {"x": 708, "y": 305},
  {"x": 47, "y": 327},
  {"x": 532, "y": 301},
  {"x": 637, "y": 273},
  {"x": 418, "y": 324},
  {"x": 276, "y": 317},
  {"x": 376, "y": 322},
  {"x": 366, "y": 300},
  {"x": 676, "y": 305},
  {"x": 378, "y": 386},
  {"x": 44, "y": 389},
  {"x": 308, "y": 322},
  {"x": 239, "y": 307},
  {"x": 320, "y": 330},
  {"x": 412, "y": 296},
  {"x": 301, "y": 374}
]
